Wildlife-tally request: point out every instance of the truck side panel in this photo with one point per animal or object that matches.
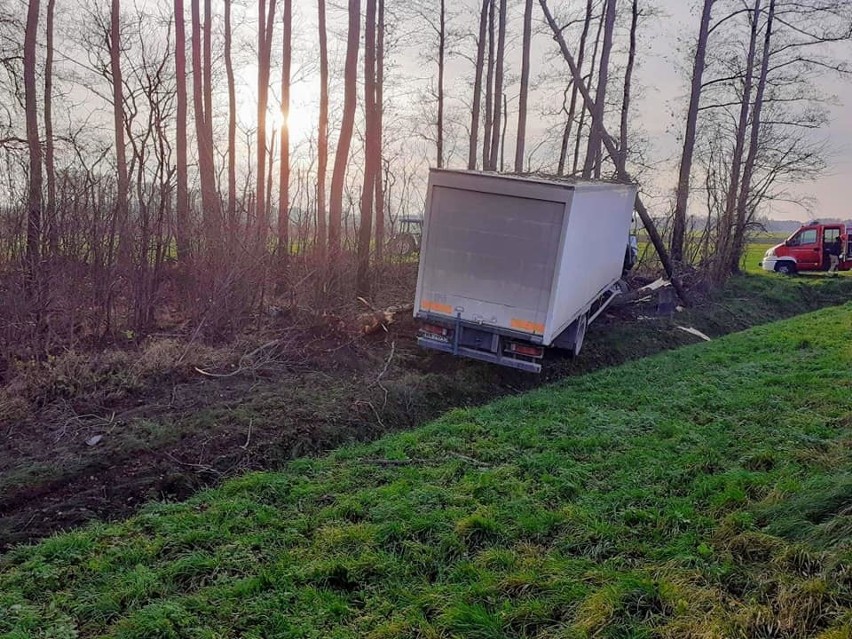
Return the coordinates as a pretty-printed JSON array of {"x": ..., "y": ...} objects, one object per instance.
[{"x": 592, "y": 258}]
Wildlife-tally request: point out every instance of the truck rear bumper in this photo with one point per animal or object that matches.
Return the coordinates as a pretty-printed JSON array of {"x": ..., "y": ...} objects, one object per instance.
[{"x": 483, "y": 356}]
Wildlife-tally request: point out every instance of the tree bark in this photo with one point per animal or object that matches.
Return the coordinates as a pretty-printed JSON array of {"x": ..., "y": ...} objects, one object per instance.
[
  {"x": 682, "y": 199},
  {"x": 34, "y": 215},
  {"x": 380, "y": 82},
  {"x": 232, "y": 123},
  {"x": 284, "y": 165},
  {"x": 442, "y": 47},
  {"x": 496, "y": 137},
  {"x": 49, "y": 163},
  {"x": 341, "y": 156},
  {"x": 591, "y": 166},
  {"x": 118, "y": 120},
  {"x": 182, "y": 231},
  {"x": 575, "y": 166},
  {"x": 476, "y": 109},
  {"x": 322, "y": 132},
  {"x": 525, "y": 81},
  {"x": 266, "y": 28},
  {"x": 754, "y": 144},
  {"x": 365, "y": 230},
  {"x": 572, "y": 109},
  {"x": 489, "y": 91},
  {"x": 610, "y": 145}
]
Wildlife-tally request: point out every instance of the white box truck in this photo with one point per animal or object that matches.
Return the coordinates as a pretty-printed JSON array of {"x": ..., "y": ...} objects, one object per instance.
[{"x": 512, "y": 265}]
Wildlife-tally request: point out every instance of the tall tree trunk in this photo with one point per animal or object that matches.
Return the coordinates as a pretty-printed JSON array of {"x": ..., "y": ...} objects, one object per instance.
[
  {"x": 572, "y": 109},
  {"x": 341, "y": 156},
  {"x": 591, "y": 167},
  {"x": 182, "y": 231},
  {"x": 266, "y": 27},
  {"x": 34, "y": 217},
  {"x": 442, "y": 50},
  {"x": 728, "y": 221},
  {"x": 489, "y": 90},
  {"x": 754, "y": 144},
  {"x": 525, "y": 81},
  {"x": 203, "y": 133},
  {"x": 322, "y": 133},
  {"x": 284, "y": 166},
  {"x": 118, "y": 121},
  {"x": 232, "y": 123},
  {"x": 380, "y": 89},
  {"x": 496, "y": 137},
  {"x": 609, "y": 143},
  {"x": 208, "y": 70},
  {"x": 476, "y": 109},
  {"x": 371, "y": 168},
  {"x": 49, "y": 164},
  {"x": 682, "y": 199},
  {"x": 628, "y": 80}
]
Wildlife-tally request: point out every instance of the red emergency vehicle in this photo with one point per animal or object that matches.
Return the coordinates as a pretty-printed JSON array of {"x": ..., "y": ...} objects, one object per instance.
[{"x": 808, "y": 250}]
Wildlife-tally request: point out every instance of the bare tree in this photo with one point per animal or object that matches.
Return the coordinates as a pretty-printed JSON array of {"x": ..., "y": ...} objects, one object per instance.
[
  {"x": 442, "y": 52},
  {"x": 591, "y": 166},
  {"x": 572, "y": 86},
  {"x": 489, "y": 90},
  {"x": 371, "y": 158},
  {"x": 341, "y": 156},
  {"x": 118, "y": 116},
  {"x": 182, "y": 231},
  {"x": 284, "y": 165},
  {"x": 232, "y": 122},
  {"x": 496, "y": 137},
  {"x": 682, "y": 197},
  {"x": 628, "y": 80},
  {"x": 379, "y": 107},
  {"x": 476, "y": 109},
  {"x": 525, "y": 80},
  {"x": 322, "y": 132},
  {"x": 265, "y": 30},
  {"x": 34, "y": 217},
  {"x": 49, "y": 162}
]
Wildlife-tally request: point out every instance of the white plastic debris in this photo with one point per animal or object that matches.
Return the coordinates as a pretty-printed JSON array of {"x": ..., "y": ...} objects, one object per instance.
[{"x": 696, "y": 332}]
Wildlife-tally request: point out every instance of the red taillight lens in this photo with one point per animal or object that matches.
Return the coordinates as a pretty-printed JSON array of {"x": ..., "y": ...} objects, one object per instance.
[
  {"x": 435, "y": 329},
  {"x": 526, "y": 349}
]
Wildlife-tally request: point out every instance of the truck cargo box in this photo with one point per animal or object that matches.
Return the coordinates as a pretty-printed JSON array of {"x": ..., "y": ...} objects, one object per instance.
[{"x": 519, "y": 255}]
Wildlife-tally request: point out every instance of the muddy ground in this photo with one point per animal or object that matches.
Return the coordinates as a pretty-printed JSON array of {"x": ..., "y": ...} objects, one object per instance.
[{"x": 85, "y": 455}]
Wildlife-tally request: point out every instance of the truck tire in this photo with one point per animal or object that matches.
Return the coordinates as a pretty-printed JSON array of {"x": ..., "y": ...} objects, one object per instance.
[
  {"x": 786, "y": 267},
  {"x": 580, "y": 334}
]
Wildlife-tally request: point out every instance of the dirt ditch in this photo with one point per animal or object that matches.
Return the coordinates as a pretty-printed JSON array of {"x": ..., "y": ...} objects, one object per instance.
[{"x": 101, "y": 448}]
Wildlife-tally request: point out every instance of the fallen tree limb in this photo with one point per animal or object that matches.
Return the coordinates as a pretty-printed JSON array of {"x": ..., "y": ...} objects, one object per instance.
[{"x": 611, "y": 147}]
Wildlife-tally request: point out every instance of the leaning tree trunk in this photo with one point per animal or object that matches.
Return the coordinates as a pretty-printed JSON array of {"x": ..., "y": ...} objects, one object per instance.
[
  {"x": 612, "y": 149},
  {"x": 682, "y": 199},
  {"x": 572, "y": 109}
]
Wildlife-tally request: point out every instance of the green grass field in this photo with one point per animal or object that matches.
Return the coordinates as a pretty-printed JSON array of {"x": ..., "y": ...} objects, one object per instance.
[{"x": 705, "y": 492}]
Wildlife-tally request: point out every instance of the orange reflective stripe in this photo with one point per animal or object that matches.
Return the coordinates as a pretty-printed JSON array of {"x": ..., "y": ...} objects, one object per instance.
[
  {"x": 526, "y": 325},
  {"x": 428, "y": 305}
]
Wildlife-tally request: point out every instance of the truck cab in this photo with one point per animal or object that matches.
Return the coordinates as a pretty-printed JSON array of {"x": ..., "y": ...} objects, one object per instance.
[{"x": 807, "y": 250}]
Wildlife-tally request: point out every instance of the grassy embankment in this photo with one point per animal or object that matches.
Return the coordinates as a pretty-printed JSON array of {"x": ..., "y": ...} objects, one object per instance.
[{"x": 704, "y": 492}]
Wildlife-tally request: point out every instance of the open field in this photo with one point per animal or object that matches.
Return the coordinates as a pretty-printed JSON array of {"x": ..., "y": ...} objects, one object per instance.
[{"x": 699, "y": 493}]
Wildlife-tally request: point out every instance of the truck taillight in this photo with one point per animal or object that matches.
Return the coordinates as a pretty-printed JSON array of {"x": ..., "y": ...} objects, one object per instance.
[
  {"x": 435, "y": 329},
  {"x": 526, "y": 349}
]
